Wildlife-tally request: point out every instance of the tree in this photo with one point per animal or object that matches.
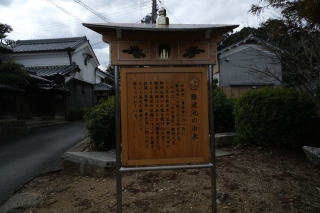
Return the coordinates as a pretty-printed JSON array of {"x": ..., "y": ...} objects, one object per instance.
[
  {"x": 5, "y": 28},
  {"x": 301, "y": 15},
  {"x": 12, "y": 73},
  {"x": 293, "y": 39},
  {"x": 231, "y": 38},
  {"x": 110, "y": 69},
  {"x": 148, "y": 18}
]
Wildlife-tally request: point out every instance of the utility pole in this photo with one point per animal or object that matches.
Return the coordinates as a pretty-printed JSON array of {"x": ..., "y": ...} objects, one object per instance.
[{"x": 154, "y": 4}]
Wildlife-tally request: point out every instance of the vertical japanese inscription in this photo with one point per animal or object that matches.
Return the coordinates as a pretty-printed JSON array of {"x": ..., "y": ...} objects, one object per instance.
[
  {"x": 159, "y": 110},
  {"x": 164, "y": 117}
]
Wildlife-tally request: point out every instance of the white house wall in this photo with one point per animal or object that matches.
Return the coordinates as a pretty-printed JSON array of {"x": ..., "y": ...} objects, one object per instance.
[
  {"x": 232, "y": 74},
  {"x": 98, "y": 79},
  {"x": 38, "y": 59},
  {"x": 87, "y": 73}
]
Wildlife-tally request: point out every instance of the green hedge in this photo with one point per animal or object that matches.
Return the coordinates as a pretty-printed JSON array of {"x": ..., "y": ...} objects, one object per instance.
[
  {"x": 223, "y": 112},
  {"x": 274, "y": 117},
  {"x": 100, "y": 125}
]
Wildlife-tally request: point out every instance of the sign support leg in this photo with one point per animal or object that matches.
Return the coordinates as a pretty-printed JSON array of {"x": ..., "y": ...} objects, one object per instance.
[
  {"x": 212, "y": 142},
  {"x": 118, "y": 143}
]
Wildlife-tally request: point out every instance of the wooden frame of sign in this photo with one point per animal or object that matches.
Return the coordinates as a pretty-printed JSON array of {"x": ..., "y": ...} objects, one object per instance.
[{"x": 164, "y": 115}]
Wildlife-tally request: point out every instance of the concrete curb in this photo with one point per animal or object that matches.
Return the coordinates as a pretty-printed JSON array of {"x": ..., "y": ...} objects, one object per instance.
[
  {"x": 46, "y": 124},
  {"x": 79, "y": 147},
  {"x": 96, "y": 164}
]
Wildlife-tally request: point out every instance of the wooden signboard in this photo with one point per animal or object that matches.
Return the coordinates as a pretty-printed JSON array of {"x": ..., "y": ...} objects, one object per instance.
[
  {"x": 162, "y": 48},
  {"x": 164, "y": 114}
]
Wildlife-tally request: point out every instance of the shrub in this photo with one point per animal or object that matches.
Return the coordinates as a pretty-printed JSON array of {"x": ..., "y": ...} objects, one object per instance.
[
  {"x": 223, "y": 112},
  {"x": 100, "y": 125},
  {"x": 12, "y": 72},
  {"x": 76, "y": 114},
  {"x": 274, "y": 116}
]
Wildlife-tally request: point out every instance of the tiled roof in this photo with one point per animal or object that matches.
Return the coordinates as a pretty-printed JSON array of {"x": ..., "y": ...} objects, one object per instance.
[
  {"x": 38, "y": 78},
  {"x": 250, "y": 37},
  {"x": 102, "y": 87},
  {"x": 5, "y": 47},
  {"x": 54, "y": 87},
  {"x": 44, "y": 71},
  {"x": 7, "y": 87},
  {"x": 49, "y": 44},
  {"x": 105, "y": 74},
  {"x": 109, "y": 76}
]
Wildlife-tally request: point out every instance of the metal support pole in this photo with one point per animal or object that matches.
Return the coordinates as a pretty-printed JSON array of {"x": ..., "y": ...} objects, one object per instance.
[
  {"x": 153, "y": 16},
  {"x": 212, "y": 142},
  {"x": 118, "y": 142}
]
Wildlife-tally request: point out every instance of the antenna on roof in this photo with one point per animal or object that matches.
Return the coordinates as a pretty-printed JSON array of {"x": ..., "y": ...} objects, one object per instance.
[
  {"x": 93, "y": 11},
  {"x": 55, "y": 4}
]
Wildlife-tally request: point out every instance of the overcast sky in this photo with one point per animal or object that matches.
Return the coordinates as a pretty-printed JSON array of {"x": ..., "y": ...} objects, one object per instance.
[{"x": 40, "y": 19}]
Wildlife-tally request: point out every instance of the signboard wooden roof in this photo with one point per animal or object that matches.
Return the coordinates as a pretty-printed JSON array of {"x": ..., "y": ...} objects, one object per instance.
[{"x": 152, "y": 44}]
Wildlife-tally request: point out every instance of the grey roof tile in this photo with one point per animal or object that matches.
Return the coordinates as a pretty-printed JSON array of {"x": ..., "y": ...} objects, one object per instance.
[
  {"x": 7, "y": 87},
  {"x": 5, "y": 47},
  {"x": 102, "y": 87},
  {"x": 105, "y": 74},
  {"x": 38, "y": 78},
  {"x": 49, "y": 44},
  {"x": 45, "y": 71},
  {"x": 54, "y": 87}
]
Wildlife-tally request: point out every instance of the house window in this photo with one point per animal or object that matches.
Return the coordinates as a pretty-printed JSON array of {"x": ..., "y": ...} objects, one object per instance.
[
  {"x": 252, "y": 87},
  {"x": 85, "y": 61}
]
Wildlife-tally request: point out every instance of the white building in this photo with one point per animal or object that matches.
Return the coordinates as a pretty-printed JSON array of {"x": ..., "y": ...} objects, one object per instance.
[{"x": 71, "y": 67}]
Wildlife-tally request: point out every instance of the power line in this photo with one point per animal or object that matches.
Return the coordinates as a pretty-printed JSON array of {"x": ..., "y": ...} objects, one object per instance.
[
  {"x": 93, "y": 11},
  {"x": 57, "y": 25},
  {"x": 121, "y": 11},
  {"x": 64, "y": 10},
  {"x": 96, "y": 43}
]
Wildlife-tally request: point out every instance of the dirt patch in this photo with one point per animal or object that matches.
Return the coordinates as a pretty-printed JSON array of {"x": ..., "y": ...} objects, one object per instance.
[{"x": 257, "y": 180}]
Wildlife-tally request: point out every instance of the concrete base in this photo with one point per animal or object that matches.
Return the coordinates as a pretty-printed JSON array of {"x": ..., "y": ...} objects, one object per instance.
[
  {"x": 97, "y": 164},
  {"x": 313, "y": 154},
  {"x": 220, "y": 153},
  {"x": 225, "y": 139},
  {"x": 93, "y": 164}
]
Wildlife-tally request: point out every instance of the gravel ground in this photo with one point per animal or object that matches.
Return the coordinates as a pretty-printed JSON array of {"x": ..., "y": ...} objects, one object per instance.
[{"x": 256, "y": 180}]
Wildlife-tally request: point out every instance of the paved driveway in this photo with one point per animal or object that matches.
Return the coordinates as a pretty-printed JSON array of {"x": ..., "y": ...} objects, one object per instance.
[{"x": 34, "y": 152}]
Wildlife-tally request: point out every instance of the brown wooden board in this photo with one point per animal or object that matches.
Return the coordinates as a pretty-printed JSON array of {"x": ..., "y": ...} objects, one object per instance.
[
  {"x": 164, "y": 114},
  {"x": 131, "y": 50},
  {"x": 149, "y": 44}
]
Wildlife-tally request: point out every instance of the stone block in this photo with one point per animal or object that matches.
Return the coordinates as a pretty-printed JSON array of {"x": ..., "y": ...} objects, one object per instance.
[
  {"x": 225, "y": 139},
  {"x": 71, "y": 168},
  {"x": 93, "y": 164},
  {"x": 313, "y": 154}
]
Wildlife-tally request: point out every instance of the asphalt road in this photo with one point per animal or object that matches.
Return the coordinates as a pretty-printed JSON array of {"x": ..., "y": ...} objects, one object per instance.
[{"x": 34, "y": 152}]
